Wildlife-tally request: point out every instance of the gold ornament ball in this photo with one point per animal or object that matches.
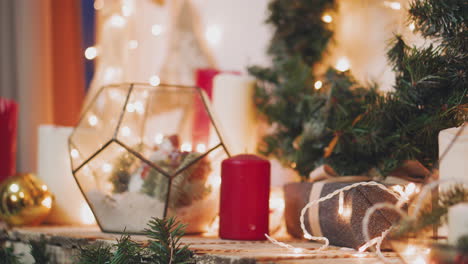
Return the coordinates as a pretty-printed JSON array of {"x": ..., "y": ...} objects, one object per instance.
[{"x": 24, "y": 200}]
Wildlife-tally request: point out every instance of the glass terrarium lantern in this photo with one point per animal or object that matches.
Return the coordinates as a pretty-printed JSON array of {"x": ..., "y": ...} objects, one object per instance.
[{"x": 142, "y": 151}]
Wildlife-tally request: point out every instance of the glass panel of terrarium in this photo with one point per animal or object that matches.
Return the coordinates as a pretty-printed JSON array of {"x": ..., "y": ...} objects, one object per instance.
[
  {"x": 98, "y": 123},
  {"x": 170, "y": 135},
  {"x": 123, "y": 191},
  {"x": 194, "y": 194}
]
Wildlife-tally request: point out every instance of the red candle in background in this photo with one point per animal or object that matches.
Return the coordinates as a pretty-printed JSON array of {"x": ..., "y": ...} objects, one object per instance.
[
  {"x": 201, "y": 122},
  {"x": 201, "y": 125},
  {"x": 8, "y": 126},
  {"x": 245, "y": 191}
]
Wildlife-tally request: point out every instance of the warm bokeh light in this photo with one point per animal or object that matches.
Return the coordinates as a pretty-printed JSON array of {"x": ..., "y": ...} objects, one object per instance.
[
  {"x": 91, "y": 53},
  {"x": 343, "y": 64},
  {"x": 106, "y": 167},
  {"x": 126, "y": 131},
  {"x": 86, "y": 215},
  {"x": 98, "y": 4},
  {"x": 133, "y": 44},
  {"x": 74, "y": 153},
  {"x": 156, "y": 29},
  {"x": 393, "y": 5},
  {"x": 158, "y": 139},
  {"x": 318, "y": 85},
  {"x": 201, "y": 148},
  {"x": 92, "y": 120},
  {"x": 186, "y": 147},
  {"x": 154, "y": 80},
  {"x": 327, "y": 18},
  {"x": 14, "y": 188},
  {"x": 117, "y": 21},
  {"x": 47, "y": 202},
  {"x": 213, "y": 34}
]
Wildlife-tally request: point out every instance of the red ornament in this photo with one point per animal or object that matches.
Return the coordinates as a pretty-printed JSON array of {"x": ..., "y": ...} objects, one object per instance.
[{"x": 245, "y": 192}]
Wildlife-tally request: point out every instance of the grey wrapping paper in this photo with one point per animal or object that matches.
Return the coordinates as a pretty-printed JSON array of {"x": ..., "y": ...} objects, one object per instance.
[{"x": 344, "y": 231}]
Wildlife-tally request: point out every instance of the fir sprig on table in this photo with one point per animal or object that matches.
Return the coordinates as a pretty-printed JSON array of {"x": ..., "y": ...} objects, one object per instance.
[
  {"x": 127, "y": 251},
  {"x": 98, "y": 253},
  {"x": 165, "y": 246}
]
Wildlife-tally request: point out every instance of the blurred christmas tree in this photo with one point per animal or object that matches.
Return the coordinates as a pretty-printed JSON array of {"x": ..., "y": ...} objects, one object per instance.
[{"x": 353, "y": 129}]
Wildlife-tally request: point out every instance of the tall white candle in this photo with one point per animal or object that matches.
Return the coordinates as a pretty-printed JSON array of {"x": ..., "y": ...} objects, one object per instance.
[
  {"x": 457, "y": 222},
  {"x": 234, "y": 109},
  {"x": 54, "y": 169},
  {"x": 454, "y": 165}
]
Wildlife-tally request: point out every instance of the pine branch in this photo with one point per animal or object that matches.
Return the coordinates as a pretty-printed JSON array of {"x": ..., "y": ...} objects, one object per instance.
[
  {"x": 127, "y": 252},
  {"x": 97, "y": 253},
  {"x": 165, "y": 246},
  {"x": 38, "y": 251}
]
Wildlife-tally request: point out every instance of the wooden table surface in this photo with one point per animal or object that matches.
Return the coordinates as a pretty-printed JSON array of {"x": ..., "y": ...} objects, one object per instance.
[{"x": 63, "y": 242}]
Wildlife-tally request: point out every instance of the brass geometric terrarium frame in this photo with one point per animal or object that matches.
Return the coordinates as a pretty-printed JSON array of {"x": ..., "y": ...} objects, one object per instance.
[{"x": 80, "y": 160}]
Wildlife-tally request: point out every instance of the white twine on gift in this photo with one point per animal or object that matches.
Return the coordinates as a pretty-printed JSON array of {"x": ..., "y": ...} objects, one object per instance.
[{"x": 309, "y": 236}]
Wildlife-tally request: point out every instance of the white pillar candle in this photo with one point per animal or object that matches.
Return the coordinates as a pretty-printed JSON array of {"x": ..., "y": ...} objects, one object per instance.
[
  {"x": 454, "y": 165},
  {"x": 234, "y": 109},
  {"x": 457, "y": 222},
  {"x": 55, "y": 170}
]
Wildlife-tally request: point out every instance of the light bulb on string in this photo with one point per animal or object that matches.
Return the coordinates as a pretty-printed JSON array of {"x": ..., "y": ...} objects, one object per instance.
[{"x": 411, "y": 26}]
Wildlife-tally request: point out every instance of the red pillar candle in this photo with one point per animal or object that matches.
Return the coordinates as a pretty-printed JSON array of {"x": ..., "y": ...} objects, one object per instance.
[
  {"x": 8, "y": 125},
  {"x": 245, "y": 191},
  {"x": 201, "y": 122}
]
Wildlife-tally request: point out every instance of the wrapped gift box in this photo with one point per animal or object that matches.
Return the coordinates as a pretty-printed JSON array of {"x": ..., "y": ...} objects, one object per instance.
[{"x": 342, "y": 225}]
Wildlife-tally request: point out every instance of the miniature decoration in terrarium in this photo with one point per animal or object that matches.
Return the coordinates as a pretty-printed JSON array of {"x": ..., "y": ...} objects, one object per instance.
[{"x": 135, "y": 155}]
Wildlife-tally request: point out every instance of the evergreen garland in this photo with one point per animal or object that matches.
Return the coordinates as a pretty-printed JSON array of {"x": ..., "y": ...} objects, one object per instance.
[{"x": 355, "y": 130}]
